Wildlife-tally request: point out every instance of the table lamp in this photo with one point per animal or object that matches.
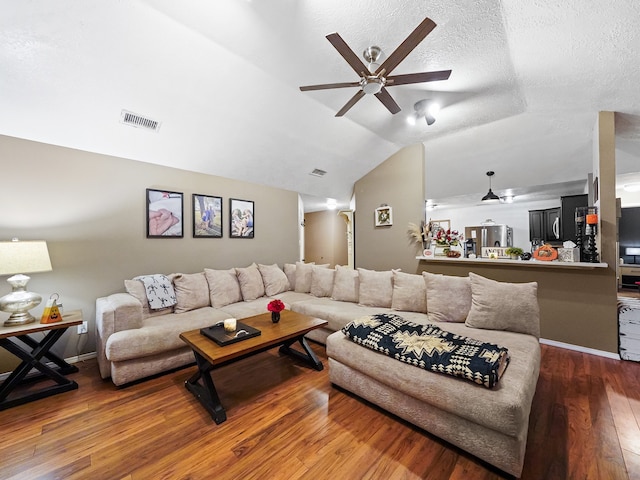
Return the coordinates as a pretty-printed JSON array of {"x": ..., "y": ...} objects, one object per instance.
[{"x": 18, "y": 258}]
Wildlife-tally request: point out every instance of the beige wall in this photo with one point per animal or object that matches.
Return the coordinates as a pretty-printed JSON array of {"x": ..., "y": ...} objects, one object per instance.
[
  {"x": 398, "y": 182},
  {"x": 90, "y": 209},
  {"x": 325, "y": 238}
]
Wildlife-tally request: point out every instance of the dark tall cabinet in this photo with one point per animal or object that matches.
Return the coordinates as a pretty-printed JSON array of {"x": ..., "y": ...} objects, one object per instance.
[{"x": 544, "y": 225}]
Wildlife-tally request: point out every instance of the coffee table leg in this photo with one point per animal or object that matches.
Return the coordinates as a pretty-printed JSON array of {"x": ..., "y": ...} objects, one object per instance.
[
  {"x": 308, "y": 357},
  {"x": 206, "y": 392}
]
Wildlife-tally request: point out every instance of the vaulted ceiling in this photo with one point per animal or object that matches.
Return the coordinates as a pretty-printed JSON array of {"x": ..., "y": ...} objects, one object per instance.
[{"x": 222, "y": 78}]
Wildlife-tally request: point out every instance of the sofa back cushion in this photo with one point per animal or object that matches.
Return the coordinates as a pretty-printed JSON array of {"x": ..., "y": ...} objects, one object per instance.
[
  {"x": 448, "y": 297},
  {"x": 274, "y": 279},
  {"x": 251, "y": 284},
  {"x": 290, "y": 272},
  {"x": 409, "y": 292},
  {"x": 504, "y": 306},
  {"x": 192, "y": 291},
  {"x": 322, "y": 281},
  {"x": 303, "y": 277},
  {"x": 137, "y": 290},
  {"x": 224, "y": 288},
  {"x": 346, "y": 284},
  {"x": 376, "y": 288}
]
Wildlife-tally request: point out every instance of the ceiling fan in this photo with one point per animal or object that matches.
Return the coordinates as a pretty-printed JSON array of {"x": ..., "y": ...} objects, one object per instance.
[{"x": 374, "y": 78}]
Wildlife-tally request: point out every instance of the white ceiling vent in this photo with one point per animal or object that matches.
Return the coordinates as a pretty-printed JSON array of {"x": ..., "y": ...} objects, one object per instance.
[
  {"x": 138, "y": 121},
  {"x": 318, "y": 173}
]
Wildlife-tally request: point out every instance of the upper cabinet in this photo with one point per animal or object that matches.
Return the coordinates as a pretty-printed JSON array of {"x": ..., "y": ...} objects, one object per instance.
[
  {"x": 568, "y": 219},
  {"x": 555, "y": 225}
]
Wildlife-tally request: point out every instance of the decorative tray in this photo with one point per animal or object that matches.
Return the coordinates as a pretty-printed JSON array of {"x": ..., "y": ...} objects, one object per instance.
[{"x": 218, "y": 334}]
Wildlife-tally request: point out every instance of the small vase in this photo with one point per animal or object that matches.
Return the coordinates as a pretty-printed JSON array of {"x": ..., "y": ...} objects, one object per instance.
[{"x": 275, "y": 317}]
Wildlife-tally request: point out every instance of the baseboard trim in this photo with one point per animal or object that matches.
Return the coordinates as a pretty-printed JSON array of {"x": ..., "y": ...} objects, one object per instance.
[
  {"x": 578, "y": 348},
  {"x": 74, "y": 359}
]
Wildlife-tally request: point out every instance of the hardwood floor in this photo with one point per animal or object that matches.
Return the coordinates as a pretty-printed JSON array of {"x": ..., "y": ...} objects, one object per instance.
[{"x": 285, "y": 421}]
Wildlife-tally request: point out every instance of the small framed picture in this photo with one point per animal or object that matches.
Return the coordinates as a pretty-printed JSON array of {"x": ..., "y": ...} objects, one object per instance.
[
  {"x": 241, "y": 218},
  {"x": 384, "y": 216},
  {"x": 207, "y": 216},
  {"x": 164, "y": 214}
]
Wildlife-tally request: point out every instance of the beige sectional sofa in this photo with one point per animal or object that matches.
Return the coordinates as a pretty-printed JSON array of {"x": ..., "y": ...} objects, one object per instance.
[{"x": 134, "y": 341}]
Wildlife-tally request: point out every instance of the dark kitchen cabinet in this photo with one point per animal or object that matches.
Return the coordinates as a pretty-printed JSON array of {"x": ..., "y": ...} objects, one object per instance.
[
  {"x": 568, "y": 219},
  {"x": 545, "y": 225}
]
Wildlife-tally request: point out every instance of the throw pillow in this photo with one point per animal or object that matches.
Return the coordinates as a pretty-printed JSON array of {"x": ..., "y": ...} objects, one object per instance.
[
  {"x": 346, "y": 284},
  {"x": 303, "y": 276},
  {"x": 192, "y": 291},
  {"x": 376, "y": 288},
  {"x": 321, "y": 281},
  {"x": 274, "y": 279},
  {"x": 290, "y": 272},
  {"x": 504, "y": 306},
  {"x": 409, "y": 293},
  {"x": 136, "y": 289},
  {"x": 448, "y": 297},
  {"x": 251, "y": 284},
  {"x": 224, "y": 288}
]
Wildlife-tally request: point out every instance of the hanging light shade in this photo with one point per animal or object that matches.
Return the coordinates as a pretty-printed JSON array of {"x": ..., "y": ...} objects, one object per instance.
[{"x": 490, "y": 196}]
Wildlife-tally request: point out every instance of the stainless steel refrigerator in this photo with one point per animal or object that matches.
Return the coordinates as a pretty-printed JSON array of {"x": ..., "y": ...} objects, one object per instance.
[{"x": 489, "y": 236}]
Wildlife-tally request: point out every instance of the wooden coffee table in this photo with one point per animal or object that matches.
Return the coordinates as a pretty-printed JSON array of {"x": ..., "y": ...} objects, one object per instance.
[{"x": 209, "y": 355}]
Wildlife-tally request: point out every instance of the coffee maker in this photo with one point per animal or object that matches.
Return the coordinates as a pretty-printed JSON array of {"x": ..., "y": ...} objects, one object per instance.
[{"x": 469, "y": 247}]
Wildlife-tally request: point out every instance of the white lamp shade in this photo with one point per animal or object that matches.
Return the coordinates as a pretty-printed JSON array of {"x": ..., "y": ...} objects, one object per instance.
[{"x": 24, "y": 257}]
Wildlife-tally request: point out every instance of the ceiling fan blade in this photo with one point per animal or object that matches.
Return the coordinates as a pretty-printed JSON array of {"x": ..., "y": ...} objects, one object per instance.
[
  {"x": 388, "y": 101},
  {"x": 329, "y": 85},
  {"x": 350, "y": 103},
  {"x": 346, "y": 52},
  {"x": 407, "y": 46},
  {"x": 418, "y": 78}
]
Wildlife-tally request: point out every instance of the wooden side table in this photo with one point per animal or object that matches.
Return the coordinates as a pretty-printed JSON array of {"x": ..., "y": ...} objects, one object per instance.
[{"x": 34, "y": 358}]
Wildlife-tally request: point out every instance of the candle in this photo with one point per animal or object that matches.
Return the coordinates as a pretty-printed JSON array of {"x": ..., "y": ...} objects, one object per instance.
[
  {"x": 230, "y": 325},
  {"x": 592, "y": 218}
]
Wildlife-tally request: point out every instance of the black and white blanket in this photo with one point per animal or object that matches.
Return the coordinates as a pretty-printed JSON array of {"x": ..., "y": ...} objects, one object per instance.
[
  {"x": 160, "y": 292},
  {"x": 430, "y": 348}
]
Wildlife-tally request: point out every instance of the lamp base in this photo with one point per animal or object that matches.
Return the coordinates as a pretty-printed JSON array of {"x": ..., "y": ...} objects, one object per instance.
[
  {"x": 19, "y": 301},
  {"x": 19, "y": 319}
]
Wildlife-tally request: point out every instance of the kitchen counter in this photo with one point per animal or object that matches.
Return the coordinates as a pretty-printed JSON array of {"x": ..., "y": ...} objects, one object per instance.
[{"x": 504, "y": 262}]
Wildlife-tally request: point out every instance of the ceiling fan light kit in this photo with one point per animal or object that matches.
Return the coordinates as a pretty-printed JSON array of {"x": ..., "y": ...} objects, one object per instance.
[{"x": 375, "y": 77}]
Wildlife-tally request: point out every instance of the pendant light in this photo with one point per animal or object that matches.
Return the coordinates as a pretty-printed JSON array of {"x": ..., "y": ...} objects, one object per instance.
[{"x": 490, "y": 196}]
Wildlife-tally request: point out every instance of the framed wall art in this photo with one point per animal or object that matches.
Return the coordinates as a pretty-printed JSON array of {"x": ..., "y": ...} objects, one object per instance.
[
  {"x": 165, "y": 212},
  {"x": 241, "y": 218},
  {"x": 207, "y": 216},
  {"x": 384, "y": 216}
]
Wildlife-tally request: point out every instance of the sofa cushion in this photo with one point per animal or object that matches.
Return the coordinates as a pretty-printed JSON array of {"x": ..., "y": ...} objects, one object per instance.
[
  {"x": 274, "y": 279},
  {"x": 504, "y": 306},
  {"x": 192, "y": 291},
  {"x": 251, "y": 284},
  {"x": 336, "y": 313},
  {"x": 409, "y": 292},
  {"x": 290, "y": 272},
  {"x": 321, "y": 281},
  {"x": 223, "y": 287},
  {"x": 346, "y": 284},
  {"x": 303, "y": 277},
  {"x": 376, "y": 288},
  {"x": 136, "y": 289},
  {"x": 448, "y": 297}
]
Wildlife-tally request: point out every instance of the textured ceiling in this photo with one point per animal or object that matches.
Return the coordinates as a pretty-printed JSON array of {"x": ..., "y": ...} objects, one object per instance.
[{"x": 528, "y": 79}]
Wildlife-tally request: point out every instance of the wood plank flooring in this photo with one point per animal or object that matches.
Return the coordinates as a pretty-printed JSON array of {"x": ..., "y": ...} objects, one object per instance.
[{"x": 285, "y": 421}]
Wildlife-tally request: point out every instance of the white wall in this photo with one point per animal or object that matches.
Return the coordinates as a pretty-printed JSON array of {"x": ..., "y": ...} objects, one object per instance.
[{"x": 515, "y": 215}]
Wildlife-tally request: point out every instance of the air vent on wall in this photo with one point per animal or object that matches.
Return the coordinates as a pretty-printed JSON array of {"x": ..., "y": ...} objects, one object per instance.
[
  {"x": 318, "y": 173},
  {"x": 138, "y": 121}
]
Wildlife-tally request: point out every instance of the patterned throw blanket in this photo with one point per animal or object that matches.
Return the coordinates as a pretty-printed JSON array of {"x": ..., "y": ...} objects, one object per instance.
[
  {"x": 430, "y": 348},
  {"x": 160, "y": 292}
]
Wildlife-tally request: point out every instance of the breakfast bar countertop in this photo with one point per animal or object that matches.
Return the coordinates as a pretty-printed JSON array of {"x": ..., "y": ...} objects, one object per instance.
[{"x": 505, "y": 262}]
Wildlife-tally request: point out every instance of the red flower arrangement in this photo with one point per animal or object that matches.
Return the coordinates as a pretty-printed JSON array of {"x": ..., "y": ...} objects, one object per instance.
[{"x": 275, "y": 306}]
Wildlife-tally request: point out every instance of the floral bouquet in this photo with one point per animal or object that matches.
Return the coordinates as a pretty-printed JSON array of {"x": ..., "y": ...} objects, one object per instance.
[
  {"x": 448, "y": 238},
  {"x": 275, "y": 307}
]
